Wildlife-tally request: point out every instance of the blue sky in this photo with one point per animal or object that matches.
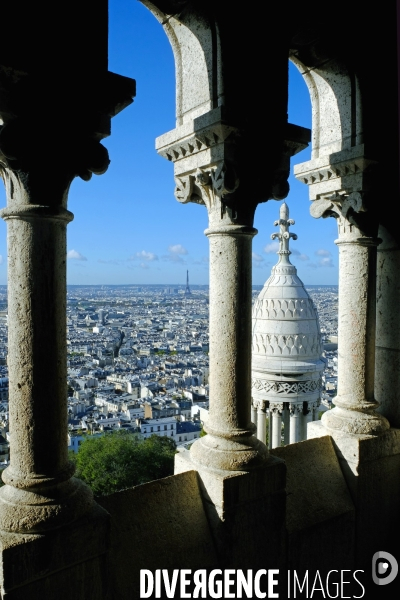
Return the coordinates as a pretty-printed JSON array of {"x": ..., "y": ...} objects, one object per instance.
[{"x": 128, "y": 227}]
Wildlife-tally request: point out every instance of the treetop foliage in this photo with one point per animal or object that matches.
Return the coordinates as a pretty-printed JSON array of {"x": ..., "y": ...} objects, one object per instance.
[{"x": 121, "y": 460}]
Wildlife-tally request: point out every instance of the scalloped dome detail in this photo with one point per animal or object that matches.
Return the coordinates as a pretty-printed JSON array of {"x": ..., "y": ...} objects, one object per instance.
[{"x": 285, "y": 320}]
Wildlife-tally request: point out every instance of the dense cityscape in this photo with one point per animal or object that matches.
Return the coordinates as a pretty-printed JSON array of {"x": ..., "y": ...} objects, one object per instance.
[{"x": 138, "y": 360}]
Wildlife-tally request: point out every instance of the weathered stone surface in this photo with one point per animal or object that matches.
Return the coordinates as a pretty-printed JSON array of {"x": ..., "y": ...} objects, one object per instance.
[
  {"x": 332, "y": 173},
  {"x": 387, "y": 383},
  {"x": 87, "y": 581},
  {"x": 355, "y": 404},
  {"x": 336, "y": 107},
  {"x": 158, "y": 525},
  {"x": 239, "y": 506},
  {"x": 42, "y": 565},
  {"x": 317, "y": 495},
  {"x": 320, "y": 516},
  {"x": 371, "y": 467},
  {"x": 230, "y": 445},
  {"x": 39, "y": 493}
]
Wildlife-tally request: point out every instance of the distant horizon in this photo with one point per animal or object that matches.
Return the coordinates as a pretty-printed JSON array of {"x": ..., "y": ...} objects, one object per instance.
[{"x": 163, "y": 285}]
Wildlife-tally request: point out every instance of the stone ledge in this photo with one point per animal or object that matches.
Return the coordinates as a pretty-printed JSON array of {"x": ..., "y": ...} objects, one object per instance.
[
  {"x": 246, "y": 512},
  {"x": 26, "y": 558},
  {"x": 157, "y": 525},
  {"x": 233, "y": 488},
  {"x": 320, "y": 514},
  {"x": 314, "y": 494},
  {"x": 356, "y": 449}
]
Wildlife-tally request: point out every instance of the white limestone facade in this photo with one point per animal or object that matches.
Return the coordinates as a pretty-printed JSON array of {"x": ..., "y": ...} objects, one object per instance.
[{"x": 287, "y": 361}]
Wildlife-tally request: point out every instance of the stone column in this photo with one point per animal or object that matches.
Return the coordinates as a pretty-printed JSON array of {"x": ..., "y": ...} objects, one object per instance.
[
  {"x": 230, "y": 444},
  {"x": 213, "y": 167},
  {"x": 53, "y": 536},
  {"x": 276, "y": 415},
  {"x": 39, "y": 493},
  {"x": 294, "y": 423},
  {"x": 262, "y": 421},
  {"x": 308, "y": 419},
  {"x": 286, "y": 424},
  {"x": 302, "y": 427},
  {"x": 355, "y": 404},
  {"x": 343, "y": 185},
  {"x": 305, "y": 419},
  {"x": 269, "y": 429},
  {"x": 254, "y": 413},
  {"x": 387, "y": 360},
  {"x": 231, "y": 462}
]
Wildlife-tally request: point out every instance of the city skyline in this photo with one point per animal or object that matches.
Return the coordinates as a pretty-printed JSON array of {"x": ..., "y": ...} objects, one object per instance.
[{"x": 128, "y": 227}]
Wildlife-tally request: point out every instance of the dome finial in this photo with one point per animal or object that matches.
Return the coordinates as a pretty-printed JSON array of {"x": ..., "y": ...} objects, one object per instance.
[{"x": 284, "y": 235}]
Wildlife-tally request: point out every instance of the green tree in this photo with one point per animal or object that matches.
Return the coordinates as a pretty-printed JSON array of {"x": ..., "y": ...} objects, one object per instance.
[{"x": 120, "y": 460}]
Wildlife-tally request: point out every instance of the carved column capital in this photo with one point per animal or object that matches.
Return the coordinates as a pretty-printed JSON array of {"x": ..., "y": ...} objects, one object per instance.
[
  {"x": 341, "y": 185},
  {"x": 261, "y": 405},
  {"x": 55, "y": 127},
  {"x": 212, "y": 166},
  {"x": 276, "y": 409},
  {"x": 355, "y": 223},
  {"x": 313, "y": 405},
  {"x": 212, "y": 187}
]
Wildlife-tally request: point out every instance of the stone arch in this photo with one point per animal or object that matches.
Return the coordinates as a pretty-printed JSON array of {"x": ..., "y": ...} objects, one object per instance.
[
  {"x": 196, "y": 47},
  {"x": 336, "y": 106}
]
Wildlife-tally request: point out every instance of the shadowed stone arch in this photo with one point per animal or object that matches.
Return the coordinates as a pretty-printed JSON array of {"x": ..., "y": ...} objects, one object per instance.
[
  {"x": 196, "y": 47},
  {"x": 336, "y": 105}
]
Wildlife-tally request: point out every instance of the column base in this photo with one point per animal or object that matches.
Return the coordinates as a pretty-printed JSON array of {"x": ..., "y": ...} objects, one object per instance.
[
  {"x": 354, "y": 422},
  {"x": 371, "y": 466},
  {"x": 233, "y": 454},
  {"x": 245, "y": 511},
  {"x": 40, "y": 510}
]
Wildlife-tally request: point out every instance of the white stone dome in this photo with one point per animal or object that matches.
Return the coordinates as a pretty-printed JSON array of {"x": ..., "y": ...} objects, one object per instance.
[{"x": 286, "y": 342}]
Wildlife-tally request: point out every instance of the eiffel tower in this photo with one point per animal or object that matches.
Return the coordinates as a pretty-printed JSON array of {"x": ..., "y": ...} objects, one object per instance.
[{"x": 187, "y": 290}]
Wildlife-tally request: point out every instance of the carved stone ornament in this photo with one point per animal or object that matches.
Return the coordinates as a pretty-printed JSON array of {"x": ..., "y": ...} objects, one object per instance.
[
  {"x": 276, "y": 408},
  {"x": 204, "y": 185},
  {"x": 284, "y": 234},
  {"x": 313, "y": 405},
  {"x": 284, "y": 308},
  {"x": 287, "y": 345},
  {"x": 283, "y": 387},
  {"x": 59, "y": 139},
  {"x": 224, "y": 180},
  {"x": 184, "y": 188},
  {"x": 352, "y": 215},
  {"x": 261, "y": 405},
  {"x": 207, "y": 138},
  {"x": 341, "y": 172},
  {"x": 338, "y": 205}
]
